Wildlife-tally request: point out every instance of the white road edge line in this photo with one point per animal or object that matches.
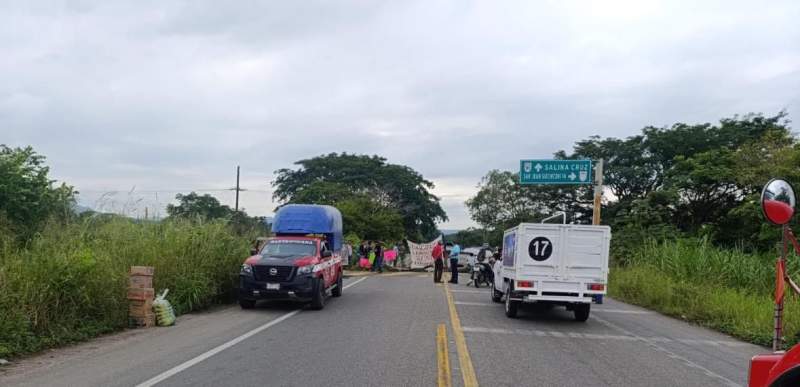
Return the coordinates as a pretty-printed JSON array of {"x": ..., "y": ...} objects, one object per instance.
[
  {"x": 475, "y": 303},
  {"x": 670, "y": 354},
  {"x": 189, "y": 363}
]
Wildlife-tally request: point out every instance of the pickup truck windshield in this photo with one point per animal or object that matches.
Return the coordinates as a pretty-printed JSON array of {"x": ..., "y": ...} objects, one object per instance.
[{"x": 289, "y": 248}]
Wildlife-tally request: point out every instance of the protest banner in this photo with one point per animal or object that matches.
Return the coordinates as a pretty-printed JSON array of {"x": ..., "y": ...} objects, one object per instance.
[{"x": 421, "y": 253}]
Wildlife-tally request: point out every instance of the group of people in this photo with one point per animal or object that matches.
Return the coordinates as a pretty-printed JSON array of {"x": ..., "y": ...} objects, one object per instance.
[
  {"x": 452, "y": 251},
  {"x": 438, "y": 253},
  {"x": 374, "y": 251}
]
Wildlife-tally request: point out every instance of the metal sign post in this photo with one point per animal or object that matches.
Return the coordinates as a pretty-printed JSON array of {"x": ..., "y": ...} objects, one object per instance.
[
  {"x": 598, "y": 192},
  {"x": 777, "y": 338}
]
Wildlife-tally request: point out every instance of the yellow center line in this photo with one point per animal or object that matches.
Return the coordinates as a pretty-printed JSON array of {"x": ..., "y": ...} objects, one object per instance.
[
  {"x": 442, "y": 357},
  {"x": 467, "y": 370}
]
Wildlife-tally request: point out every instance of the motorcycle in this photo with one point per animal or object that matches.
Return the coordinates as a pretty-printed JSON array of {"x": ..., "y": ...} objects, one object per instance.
[{"x": 482, "y": 273}]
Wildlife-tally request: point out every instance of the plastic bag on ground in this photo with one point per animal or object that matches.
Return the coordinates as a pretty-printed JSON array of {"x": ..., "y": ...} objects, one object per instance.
[{"x": 165, "y": 315}]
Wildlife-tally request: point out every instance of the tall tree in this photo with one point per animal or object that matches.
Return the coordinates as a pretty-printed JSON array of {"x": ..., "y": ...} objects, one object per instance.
[
  {"x": 699, "y": 179},
  {"x": 370, "y": 220},
  {"x": 706, "y": 187},
  {"x": 28, "y": 196},
  {"x": 194, "y": 206},
  {"x": 630, "y": 172},
  {"x": 333, "y": 178}
]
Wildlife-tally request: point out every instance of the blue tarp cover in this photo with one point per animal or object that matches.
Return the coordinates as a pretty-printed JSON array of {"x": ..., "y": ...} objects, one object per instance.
[{"x": 310, "y": 219}]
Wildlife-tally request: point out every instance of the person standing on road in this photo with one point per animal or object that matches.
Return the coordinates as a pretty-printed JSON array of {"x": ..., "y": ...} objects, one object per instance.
[
  {"x": 454, "y": 252},
  {"x": 378, "y": 266},
  {"x": 438, "y": 262},
  {"x": 362, "y": 250},
  {"x": 345, "y": 254},
  {"x": 371, "y": 256}
]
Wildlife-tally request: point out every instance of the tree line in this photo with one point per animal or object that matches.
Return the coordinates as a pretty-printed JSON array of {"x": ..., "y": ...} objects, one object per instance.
[
  {"x": 30, "y": 199},
  {"x": 378, "y": 200},
  {"x": 700, "y": 180}
]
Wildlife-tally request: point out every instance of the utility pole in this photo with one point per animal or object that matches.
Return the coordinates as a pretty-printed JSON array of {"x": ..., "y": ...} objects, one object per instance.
[
  {"x": 598, "y": 192},
  {"x": 237, "y": 188}
]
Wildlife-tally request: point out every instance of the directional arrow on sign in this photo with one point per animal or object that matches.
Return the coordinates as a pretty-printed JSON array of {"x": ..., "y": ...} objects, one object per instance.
[
  {"x": 538, "y": 167},
  {"x": 572, "y": 176}
]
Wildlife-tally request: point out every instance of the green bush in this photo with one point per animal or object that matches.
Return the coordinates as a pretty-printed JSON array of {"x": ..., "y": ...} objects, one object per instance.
[
  {"x": 725, "y": 289},
  {"x": 698, "y": 261},
  {"x": 740, "y": 313},
  {"x": 69, "y": 282}
]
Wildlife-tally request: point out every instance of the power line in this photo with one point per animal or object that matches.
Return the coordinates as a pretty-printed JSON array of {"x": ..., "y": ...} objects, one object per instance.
[{"x": 172, "y": 190}]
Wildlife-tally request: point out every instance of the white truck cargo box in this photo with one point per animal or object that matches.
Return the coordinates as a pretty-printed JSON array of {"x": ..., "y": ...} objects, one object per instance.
[{"x": 553, "y": 263}]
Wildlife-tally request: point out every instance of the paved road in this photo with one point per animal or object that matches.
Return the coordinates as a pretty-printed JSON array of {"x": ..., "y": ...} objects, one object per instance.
[{"x": 383, "y": 332}]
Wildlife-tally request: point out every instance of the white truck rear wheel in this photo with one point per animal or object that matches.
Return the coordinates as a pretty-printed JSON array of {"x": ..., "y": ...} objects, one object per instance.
[
  {"x": 511, "y": 305},
  {"x": 581, "y": 312}
]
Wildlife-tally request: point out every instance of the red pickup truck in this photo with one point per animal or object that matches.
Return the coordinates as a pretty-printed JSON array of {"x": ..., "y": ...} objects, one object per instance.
[{"x": 302, "y": 262}]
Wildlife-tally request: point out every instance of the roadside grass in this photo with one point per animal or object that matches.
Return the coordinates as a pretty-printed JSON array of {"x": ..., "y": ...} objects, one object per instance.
[
  {"x": 70, "y": 282},
  {"x": 698, "y": 261},
  {"x": 727, "y": 290}
]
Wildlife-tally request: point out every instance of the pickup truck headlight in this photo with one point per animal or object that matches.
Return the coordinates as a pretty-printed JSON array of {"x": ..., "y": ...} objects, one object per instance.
[
  {"x": 246, "y": 269},
  {"x": 305, "y": 269}
]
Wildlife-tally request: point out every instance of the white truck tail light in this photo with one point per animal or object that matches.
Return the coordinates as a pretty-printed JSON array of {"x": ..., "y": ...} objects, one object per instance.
[
  {"x": 598, "y": 287},
  {"x": 524, "y": 284}
]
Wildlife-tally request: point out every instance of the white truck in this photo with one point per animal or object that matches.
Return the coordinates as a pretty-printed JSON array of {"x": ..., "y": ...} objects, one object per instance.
[{"x": 560, "y": 264}]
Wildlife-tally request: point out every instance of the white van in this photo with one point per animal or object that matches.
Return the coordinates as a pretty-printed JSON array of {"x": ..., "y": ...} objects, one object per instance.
[{"x": 559, "y": 264}]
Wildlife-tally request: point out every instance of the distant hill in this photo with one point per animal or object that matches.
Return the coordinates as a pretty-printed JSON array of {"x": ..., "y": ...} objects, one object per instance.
[
  {"x": 449, "y": 232},
  {"x": 79, "y": 209}
]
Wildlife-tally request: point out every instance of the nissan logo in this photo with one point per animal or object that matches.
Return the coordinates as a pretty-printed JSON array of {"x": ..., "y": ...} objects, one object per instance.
[{"x": 273, "y": 271}]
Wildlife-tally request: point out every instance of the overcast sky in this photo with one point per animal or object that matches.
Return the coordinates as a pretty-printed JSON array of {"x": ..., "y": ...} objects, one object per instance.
[{"x": 168, "y": 96}]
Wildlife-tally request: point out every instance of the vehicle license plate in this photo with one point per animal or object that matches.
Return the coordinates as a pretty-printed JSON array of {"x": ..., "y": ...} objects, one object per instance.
[{"x": 273, "y": 286}]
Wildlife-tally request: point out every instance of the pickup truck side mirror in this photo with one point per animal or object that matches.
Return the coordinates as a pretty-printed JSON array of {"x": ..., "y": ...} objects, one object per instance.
[
  {"x": 253, "y": 251},
  {"x": 326, "y": 254}
]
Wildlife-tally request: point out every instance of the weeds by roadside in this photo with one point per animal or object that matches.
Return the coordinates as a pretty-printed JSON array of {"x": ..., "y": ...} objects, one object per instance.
[
  {"x": 69, "y": 283},
  {"x": 727, "y": 290}
]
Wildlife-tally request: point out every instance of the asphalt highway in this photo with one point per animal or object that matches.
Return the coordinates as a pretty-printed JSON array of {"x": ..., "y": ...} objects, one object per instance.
[{"x": 400, "y": 329}]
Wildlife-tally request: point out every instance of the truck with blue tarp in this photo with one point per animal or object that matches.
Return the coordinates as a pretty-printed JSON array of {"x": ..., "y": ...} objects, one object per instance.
[{"x": 301, "y": 262}]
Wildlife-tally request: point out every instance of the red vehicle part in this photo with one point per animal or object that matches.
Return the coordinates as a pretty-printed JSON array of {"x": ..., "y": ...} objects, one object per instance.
[{"x": 776, "y": 369}]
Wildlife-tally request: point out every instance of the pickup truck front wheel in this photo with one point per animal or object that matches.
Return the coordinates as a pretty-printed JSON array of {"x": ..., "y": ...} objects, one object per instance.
[
  {"x": 247, "y": 304},
  {"x": 581, "y": 312},
  {"x": 511, "y": 306},
  {"x": 337, "y": 290},
  {"x": 318, "y": 295}
]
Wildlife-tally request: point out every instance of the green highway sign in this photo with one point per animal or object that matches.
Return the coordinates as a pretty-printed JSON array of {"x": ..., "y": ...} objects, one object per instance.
[{"x": 555, "y": 171}]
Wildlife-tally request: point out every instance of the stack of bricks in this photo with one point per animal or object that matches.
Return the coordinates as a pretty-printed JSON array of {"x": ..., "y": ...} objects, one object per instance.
[{"x": 140, "y": 296}]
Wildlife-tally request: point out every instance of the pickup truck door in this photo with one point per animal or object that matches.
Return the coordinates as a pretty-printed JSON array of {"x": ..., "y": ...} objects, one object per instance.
[{"x": 328, "y": 271}]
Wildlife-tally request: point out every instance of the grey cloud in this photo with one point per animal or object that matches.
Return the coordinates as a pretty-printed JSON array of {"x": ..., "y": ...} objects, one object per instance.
[{"x": 172, "y": 95}]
